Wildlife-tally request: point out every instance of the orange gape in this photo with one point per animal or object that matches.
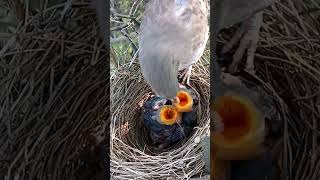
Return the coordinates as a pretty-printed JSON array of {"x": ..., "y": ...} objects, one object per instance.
[
  {"x": 235, "y": 117},
  {"x": 169, "y": 115},
  {"x": 243, "y": 133},
  {"x": 185, "y": 101}
]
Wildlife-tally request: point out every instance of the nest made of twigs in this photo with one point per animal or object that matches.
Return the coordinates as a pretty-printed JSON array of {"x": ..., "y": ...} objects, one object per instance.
[
  {"x": 131, "y": 154},
  {"x": 53, "y": 93}
]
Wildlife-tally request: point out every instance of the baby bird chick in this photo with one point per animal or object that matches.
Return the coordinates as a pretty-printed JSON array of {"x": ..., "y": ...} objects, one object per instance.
[
  {"x": 169, "y": 123},
  {"x": 239, "y": 149},
  {"x": 243, "y": 127},
  {"x": 184, "y": 101}
]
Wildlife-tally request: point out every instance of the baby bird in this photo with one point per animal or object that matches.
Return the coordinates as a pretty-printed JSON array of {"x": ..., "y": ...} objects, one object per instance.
[
  {"x": 239, "y": 149},
  {"x": 241, "y": 116},
  {"x": 167, "y": 124}
]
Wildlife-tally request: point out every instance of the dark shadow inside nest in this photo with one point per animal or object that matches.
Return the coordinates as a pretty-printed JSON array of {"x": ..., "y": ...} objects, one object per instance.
[{"x": 138, "y": 135}]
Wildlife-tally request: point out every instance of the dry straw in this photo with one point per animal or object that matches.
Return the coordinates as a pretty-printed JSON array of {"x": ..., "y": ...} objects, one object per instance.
[{"x": 53, "y": 93}]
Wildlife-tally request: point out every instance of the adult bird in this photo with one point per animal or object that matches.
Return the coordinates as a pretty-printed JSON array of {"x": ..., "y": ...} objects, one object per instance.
[
  {"x": 174, "y": 33},
  {"x": 173, "y": 37}
]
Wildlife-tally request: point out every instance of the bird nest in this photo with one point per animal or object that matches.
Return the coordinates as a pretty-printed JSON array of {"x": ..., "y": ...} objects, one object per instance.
[
  {"x": 53, "y": 96},
  {"x": 132, "y": 155}
]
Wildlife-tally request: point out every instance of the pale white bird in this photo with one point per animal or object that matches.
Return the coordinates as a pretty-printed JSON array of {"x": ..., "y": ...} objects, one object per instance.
[
  {"x": 173, "y": 37},
  {"x": 174, "y": 34}
]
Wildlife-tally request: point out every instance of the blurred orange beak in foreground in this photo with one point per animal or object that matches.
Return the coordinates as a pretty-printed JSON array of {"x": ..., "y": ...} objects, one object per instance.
[
  {"x": 243, "y": 134},
  {"x": 169, "y": 115},
  {"x": 184, "y": 101}
]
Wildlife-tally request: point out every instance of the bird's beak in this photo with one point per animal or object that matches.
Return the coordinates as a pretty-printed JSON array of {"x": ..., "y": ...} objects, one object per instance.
[
  {"x": 184, "y": 101},
  {"x": 169, "y": 115},
  {"x": 242, "y": 128}
]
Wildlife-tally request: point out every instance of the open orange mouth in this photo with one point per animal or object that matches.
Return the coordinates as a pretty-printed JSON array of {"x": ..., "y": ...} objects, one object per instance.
[
  {"x": 235, "y": 117},
  {"x": 243, "y": 128},
  {"x": 169, "y": 115},
  {"x": 185, "y": 101}
]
